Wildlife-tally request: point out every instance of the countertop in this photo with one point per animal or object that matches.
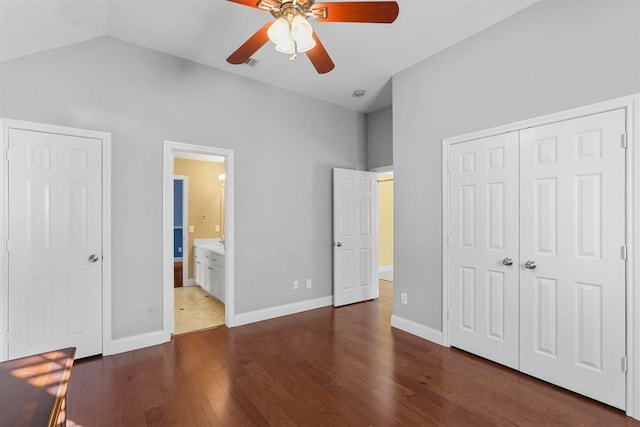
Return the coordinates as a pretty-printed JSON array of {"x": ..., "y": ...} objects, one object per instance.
[{"x": 214, "y": 245}]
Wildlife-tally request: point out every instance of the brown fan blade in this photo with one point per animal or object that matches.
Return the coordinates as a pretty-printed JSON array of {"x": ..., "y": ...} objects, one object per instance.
[
  {"x": 250, "y": 3},
  {"x": 377, "y": 12},
  {"x": 319, "y": 57},
  {"x": 251, "y": 46}
]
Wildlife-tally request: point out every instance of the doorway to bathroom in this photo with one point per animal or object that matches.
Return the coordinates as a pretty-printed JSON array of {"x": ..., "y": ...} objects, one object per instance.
[
  {"x": 197, "y": 282},
  {"x": 198, "y": 235}
]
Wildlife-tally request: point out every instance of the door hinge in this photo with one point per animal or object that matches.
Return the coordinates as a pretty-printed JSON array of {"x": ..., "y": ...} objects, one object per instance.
[
  {"x": 625, "y": 140},
  {"x": 448, "y": 240},
  {"x": 6, "y": 336},
  {"x": 449, "y": 167},
  {"x": 7, "y": 154},
  {"x": 625, "y": 364},
  {"x": 7, "y": 245},
  {"x": 624, "y": 252},
  {"x": 449, "y": 313}
]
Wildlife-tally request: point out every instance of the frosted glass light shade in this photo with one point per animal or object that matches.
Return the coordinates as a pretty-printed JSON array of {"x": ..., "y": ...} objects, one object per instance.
[
  {"x": 302, "y": 33},
  {"x": 278, "y": 32},
  {"x": 287, "y": 46},
  {"x": 300, "y": 28},
  {"x": 306, "y": 44}
]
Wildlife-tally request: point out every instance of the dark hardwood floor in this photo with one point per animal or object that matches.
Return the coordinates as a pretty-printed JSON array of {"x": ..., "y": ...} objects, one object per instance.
[{"x": 326, "y": 367}]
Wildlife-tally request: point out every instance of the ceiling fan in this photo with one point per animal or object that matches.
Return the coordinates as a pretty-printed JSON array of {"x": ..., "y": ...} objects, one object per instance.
[{"x": 292, "y": 33}]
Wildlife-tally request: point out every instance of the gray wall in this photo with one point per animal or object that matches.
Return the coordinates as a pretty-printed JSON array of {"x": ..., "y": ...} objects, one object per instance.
[
  {"x": 283, "y": 174},
  {"x": 380, "y": 138},
  {"x": 554, "y": 55}
]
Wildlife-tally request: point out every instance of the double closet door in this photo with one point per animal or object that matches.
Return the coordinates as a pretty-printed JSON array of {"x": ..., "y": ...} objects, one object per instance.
[{"x": 537, "y": 252}]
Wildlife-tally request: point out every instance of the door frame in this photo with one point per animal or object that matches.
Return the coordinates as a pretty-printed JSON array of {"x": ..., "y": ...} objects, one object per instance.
[
  {"x": 169, "y": 149},
  {"x": 185, "y": 227},
  {"x": 631, "y": 104},
  {"x": 105, "y": 139}
]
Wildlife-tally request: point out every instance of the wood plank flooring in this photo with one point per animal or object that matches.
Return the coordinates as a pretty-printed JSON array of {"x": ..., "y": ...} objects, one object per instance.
[{"x": 326, "y": 367}]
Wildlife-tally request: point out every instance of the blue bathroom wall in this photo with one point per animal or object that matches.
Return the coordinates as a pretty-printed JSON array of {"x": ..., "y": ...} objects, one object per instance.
[
  {"x": 177, "y": 218},
  {"x": 177, "y": 202}
]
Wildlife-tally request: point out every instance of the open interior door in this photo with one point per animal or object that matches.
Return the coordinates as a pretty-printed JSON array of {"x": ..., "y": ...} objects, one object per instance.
[{"x": 355, "y": 236}]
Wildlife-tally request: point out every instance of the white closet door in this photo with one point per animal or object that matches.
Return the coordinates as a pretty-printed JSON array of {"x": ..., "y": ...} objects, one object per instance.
[
  {"x": 483, "y": 237},
  {"x": 572, "y": 304},
  {"x": 55, "y": 256}
]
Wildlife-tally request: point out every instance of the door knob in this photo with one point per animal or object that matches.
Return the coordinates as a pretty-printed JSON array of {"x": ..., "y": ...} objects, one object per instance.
[
  {"x": 530, "y": 265},
  {"x": 508, "y": 262},
  {"x": 338, "y": 244},
  {"x": 93, "y": 258}
]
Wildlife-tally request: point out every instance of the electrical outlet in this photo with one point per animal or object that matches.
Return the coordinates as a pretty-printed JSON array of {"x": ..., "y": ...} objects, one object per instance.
[
  {"x": 403, "y": 298},
  {"x": 295, "y": 284},
  {"x": 217, "y": 228},
  {"x": 308, "y": 283}
]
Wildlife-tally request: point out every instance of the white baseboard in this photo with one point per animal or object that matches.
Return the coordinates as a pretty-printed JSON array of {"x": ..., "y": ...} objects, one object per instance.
[
  {"x": 385, "y": 268},
  {"x": 417, "y": 329},
  {"x": 281, "y": 310},
  {"x": 135, "y": 342}
]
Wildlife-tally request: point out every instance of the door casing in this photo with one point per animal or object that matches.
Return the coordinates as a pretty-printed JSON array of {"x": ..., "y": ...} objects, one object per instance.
[
  {"x": 105, "y": 137},
  {"x": 631, "y": 104}
]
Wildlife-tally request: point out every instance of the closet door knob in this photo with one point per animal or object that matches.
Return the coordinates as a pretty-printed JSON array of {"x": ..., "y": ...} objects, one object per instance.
[
  {"x": 508, "y": 262},
  {"x": 530, "y": 265}
]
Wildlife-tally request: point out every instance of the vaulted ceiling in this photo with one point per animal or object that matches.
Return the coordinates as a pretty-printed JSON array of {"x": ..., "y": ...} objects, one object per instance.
[{"x": 208, "y": 31}]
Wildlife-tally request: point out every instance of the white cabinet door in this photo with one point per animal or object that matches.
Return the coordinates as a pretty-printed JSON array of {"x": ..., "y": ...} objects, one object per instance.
[
  {"x": 223, "y": 279},
  {"x": 572, "y": 311},
  {"x": 483, "y": 240},
  {"x": 55, "y": 226},
  {"x": 355, "y": 236},
  {"x": 215, "y": 279},
  {"x": 200, "y": 267}
]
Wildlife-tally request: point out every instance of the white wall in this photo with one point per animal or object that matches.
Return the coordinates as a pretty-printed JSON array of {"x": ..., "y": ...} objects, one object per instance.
[
  {"x": 554, "y": 55},
  {"x": 283, "y": 165},
  {"x": 380, "y": 138}
]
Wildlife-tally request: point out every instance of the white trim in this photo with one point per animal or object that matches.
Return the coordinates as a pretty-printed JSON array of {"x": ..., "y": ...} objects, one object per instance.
[
  {"x": 169, "y": 150},
  {"x": 105, "y": 139},
  {"x": 385, "y": 268},
  {"x": 417, "y": 329},
  {"x": 633, "y": 265},
  {"x": 281, "y": 310},
  {"x": 445, "y": 243},
  {"x": 185, "y": 227},
  {"x": 632, "y": 106},
  {"x": 382, "y": 169},
  {"x": 136, "y": 342}
]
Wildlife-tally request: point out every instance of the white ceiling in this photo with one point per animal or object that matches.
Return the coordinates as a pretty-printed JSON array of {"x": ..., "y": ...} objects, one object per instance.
[{"x": 208, "y": 31}]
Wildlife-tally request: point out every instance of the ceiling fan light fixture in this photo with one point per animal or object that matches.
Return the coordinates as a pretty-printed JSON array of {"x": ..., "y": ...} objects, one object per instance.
[
  {"x": 300, "y": 28},
  {"x": 279, "y": 32},
  {"x": 302, "y": 33},
  {"x": 306, "y": 45},
  {"x": 287, "y": 46}
]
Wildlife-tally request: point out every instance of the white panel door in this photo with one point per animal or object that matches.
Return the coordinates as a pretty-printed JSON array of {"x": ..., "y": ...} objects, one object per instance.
[
  {"x": 55, "y": 285},
  {"x": 483, "y": 244},
  {"x": 572, "y": 310},
  {"x": 355, "y": 236}
]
